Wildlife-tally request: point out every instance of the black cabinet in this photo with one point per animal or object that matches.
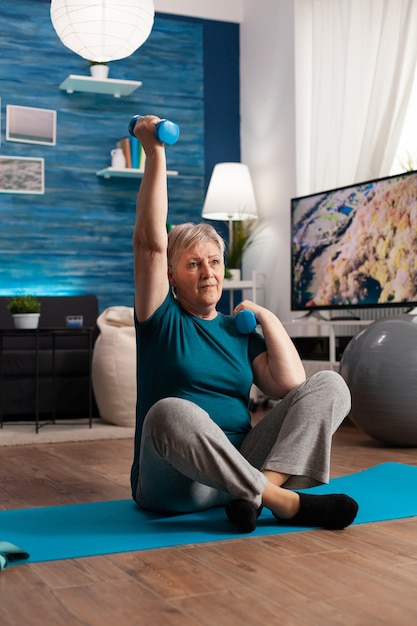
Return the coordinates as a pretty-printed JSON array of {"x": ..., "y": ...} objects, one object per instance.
[
  {"x": 317, "y": 348},
  {"x": 46, "y": 372}
]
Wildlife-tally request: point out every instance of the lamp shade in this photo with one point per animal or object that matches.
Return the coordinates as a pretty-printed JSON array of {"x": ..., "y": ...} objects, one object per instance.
[
  {"x": 102, "y": 30},
  {"x": 230, "y": 195}
]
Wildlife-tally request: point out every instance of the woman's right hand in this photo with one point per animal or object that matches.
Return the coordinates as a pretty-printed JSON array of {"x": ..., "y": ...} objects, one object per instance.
[{"x": 144, "y": 130}]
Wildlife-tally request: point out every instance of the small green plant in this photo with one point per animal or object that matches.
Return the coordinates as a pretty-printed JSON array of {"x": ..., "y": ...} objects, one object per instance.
[
  {"x": 241, "y": 240},
  {"x": 408, "y": 163},
  {"x": 24, "y": 304}
]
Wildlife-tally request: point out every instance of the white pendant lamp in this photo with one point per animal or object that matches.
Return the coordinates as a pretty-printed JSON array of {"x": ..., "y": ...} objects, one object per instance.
[{"x": 102, "y": 30}]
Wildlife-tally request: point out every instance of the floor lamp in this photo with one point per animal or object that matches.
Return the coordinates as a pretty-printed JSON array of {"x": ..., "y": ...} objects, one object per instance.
[{"x": 230, "y": 196}]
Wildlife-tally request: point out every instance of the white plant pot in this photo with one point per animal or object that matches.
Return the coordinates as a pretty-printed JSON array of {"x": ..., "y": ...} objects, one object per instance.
[
  {"x": 235, "y": 274},
  {"x": 26, "y": 321},
  {"x": 99, "y": 71}
]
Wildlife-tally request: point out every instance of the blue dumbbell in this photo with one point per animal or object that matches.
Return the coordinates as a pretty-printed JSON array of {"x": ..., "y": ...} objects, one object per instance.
[
  {"x": 165, "y": 131},
  {"x": 245, "y": 322}
]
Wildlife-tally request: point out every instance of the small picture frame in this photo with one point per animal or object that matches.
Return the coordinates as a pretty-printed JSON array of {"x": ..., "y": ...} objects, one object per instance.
[
  {"x": 22, "y": 175},
  {"x": 30, "y": 125}
]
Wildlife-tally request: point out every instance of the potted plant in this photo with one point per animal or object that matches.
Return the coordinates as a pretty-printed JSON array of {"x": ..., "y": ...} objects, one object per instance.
[
  {"x": 25, "y": 311},
  {"x": 239, "y": 241},
  {"x": 99, "y": 69}
]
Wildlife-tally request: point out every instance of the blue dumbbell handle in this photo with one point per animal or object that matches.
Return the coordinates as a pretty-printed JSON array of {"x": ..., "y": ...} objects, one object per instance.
[
  {"x": 165, "y": 130},
  {"x": 245, "y": 321}
]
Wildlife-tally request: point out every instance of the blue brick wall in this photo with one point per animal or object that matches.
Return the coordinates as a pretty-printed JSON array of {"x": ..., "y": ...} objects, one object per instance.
[{"x": 76, "y": 238}]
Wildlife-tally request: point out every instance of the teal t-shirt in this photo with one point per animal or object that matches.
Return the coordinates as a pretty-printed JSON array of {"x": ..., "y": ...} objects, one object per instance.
[{"x": 205, "y": 361}]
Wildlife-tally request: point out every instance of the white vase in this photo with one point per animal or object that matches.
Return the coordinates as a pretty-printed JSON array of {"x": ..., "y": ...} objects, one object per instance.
[
  {"x": 118, "y": 160},
  {"x": 99, "y": 71},
  {"x": 26, "y": 321},
  {"x": 235, "y": 274}
]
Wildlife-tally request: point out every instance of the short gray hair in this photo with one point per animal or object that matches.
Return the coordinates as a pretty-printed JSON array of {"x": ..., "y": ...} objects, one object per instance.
[{"x": 185, "y": 236}]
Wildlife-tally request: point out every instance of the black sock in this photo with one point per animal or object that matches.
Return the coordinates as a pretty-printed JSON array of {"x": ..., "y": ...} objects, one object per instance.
[
  {"x": 332, "y": 511},
  {"x": 243, "y": 515}
]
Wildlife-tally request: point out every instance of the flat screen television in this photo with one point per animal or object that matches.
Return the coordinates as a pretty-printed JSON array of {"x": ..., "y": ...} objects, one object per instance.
[{"x": 355, "y": 246}]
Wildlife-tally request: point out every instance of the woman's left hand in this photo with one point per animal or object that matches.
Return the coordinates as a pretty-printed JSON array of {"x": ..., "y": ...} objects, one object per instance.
[
  {"x": 279, "y": 369},
  {"x": 247, "y": 305}
]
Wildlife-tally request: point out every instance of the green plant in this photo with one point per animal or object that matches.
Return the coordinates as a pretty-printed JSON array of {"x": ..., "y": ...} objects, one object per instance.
[
  {"x": 24, "y": 304},
  {"x": 408, "y": 163},
  {"x": 241, "y": 238}
]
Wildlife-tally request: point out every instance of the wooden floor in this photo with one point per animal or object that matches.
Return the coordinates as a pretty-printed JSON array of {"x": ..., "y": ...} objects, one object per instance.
[{"x": 364, "y": 575}]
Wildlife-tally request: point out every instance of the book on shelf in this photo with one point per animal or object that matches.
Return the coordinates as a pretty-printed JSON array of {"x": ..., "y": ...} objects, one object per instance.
[
  {"x": 133, "y": 152},
  {"x": 142, "y": 158},
  {"x": 137, "y": 153},
  {"x": 124, "y": 144}
]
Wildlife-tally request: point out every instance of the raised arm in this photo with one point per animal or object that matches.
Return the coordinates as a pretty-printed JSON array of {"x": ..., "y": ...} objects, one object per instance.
[{"x": 150, "y": 234}]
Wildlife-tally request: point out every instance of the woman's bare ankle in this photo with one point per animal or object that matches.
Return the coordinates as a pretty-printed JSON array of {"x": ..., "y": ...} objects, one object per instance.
[
  {"x": 277, "y": 478},
  {"x": 282, "y": 502}
]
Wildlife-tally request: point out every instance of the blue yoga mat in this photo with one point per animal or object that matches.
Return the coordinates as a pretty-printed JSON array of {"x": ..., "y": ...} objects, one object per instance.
[{"x": 384, "y": 492}]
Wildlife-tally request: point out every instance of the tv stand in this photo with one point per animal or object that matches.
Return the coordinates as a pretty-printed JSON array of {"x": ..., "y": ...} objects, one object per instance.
[
  {"x": 319, "y": 316},
  {"x": 309, "y": 314},
  {"x": 345, "y": 318},
  {"x": 325, "y": 327}
]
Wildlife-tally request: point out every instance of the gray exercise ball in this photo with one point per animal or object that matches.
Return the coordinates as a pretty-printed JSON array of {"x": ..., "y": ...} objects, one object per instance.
[{"x": 380, "y": 367}]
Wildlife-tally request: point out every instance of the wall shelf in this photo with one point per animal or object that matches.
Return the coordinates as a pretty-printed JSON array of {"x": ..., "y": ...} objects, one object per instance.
[
  {"x": 257, "y": 282},
  {"x": 127, "y": 172},
  {"x": 109, "y": 86}
]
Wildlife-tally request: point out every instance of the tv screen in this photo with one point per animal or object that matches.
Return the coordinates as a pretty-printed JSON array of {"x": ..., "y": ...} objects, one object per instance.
[{"x": 356, "y": 246}]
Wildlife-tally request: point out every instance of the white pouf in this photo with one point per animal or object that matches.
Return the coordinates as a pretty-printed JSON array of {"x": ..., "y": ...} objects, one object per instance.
[{"x": 114, "y": 366}]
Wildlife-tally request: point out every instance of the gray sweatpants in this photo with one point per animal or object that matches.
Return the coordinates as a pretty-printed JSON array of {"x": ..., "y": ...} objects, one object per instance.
[{"x": 187, "y": 463}]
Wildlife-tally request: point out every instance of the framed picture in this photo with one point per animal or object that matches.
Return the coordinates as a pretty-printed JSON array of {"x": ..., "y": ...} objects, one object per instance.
[
  {"x": 22, "y": 175},
  {"x": 30, "y": 125}
]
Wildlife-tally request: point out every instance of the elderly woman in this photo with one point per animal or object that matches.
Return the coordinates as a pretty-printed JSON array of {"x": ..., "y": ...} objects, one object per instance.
[{"x": 194, "y": 445}]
